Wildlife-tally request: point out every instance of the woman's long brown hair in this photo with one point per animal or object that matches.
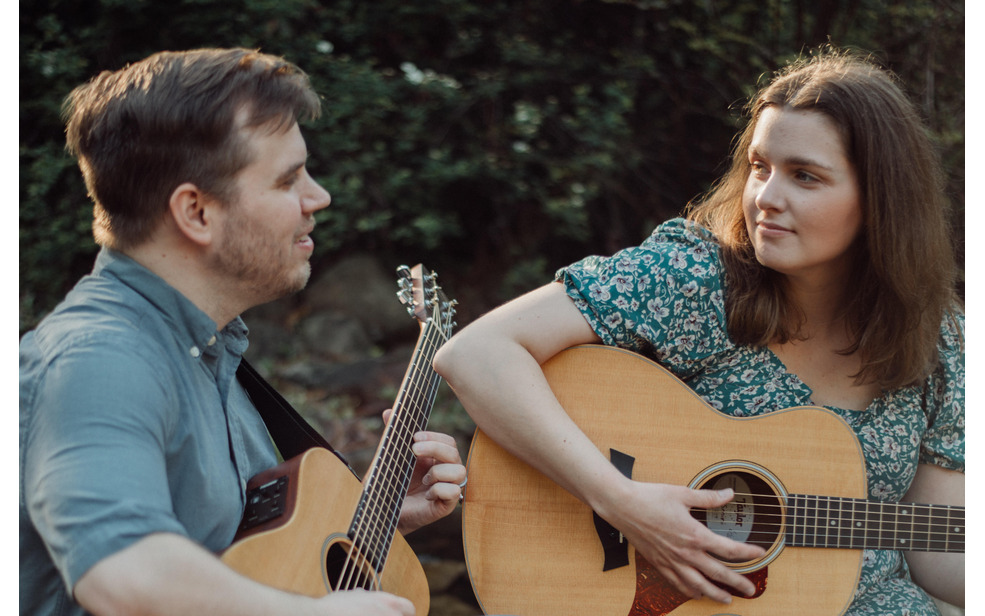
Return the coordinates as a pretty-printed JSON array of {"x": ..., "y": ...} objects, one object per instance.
[{"x": 904, "y": 271}]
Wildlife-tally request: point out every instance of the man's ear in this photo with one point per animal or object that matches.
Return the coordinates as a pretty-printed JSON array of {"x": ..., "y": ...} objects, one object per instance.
[{"x": 194, "y": 213}]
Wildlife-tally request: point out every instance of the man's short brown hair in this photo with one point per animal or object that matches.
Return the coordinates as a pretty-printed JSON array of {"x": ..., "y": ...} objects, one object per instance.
[{"x": 171, "y": 118}]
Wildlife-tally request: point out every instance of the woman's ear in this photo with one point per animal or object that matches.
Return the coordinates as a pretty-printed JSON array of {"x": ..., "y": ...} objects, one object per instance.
[{"x": 193, "y": 213}]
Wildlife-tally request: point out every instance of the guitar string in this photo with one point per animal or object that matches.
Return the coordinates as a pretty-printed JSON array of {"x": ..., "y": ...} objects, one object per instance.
[
  {"x": 415, "y": 413},
  {"x": 363, "y": 538},
  {"x": 897, "y": 520},
  {"x": 364, "y": 529},
  {"x": 904, "y": 524},
  {"x": 859, "y": 543},
  {"x": 368, "y": 503},
  {"x": 353, "y": 574},
  {"x": 853, "y": 508},
  {"x": 375, "y": 542},
  {"x": 386, "y": 489},
  {"x": 942, "y": 536},
  {"x": 420, "y": 405},
  {"x": 357, "y": 531}
]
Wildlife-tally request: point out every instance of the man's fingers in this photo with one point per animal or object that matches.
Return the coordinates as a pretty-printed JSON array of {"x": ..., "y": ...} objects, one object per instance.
[
  {"x": 441, "y": 437},
  {"x": 439, "y": 449}
]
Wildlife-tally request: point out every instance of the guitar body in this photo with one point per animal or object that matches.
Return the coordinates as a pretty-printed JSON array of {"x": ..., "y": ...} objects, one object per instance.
[
  {"x": 533, "y": 549},
  {"x": 291, "y": 551}
]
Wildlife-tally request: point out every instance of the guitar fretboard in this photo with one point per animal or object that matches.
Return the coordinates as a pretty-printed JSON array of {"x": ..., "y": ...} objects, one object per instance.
[
  {"x": 820, "y": 521},
  {"x": 375, "y": 521}
]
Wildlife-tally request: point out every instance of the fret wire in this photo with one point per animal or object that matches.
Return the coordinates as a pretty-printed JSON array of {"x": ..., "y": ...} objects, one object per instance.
[
  {"x": 827, "y": 517},
  {"x": 894, "y": 512},
  {"x": 947, "y": 536},
  {"x": 800, "y": 523},
  {"x": 852, "y": 523}
]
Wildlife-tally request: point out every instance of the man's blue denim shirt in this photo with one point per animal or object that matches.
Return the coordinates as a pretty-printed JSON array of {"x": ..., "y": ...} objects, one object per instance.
[{"x": 132, "y": 422}]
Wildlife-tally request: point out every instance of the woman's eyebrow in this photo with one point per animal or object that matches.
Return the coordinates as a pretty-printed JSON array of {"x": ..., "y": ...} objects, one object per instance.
[{"x": 796, "y": 161}]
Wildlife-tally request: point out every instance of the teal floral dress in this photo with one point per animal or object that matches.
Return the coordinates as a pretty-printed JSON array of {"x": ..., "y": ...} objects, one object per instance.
[{"x": 666, "y": 299}]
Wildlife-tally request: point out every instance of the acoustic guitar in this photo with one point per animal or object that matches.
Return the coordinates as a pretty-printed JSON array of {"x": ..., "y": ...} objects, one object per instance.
[
  {"x": 799, "y": 477},
  {"x": 312, "y": 527}
]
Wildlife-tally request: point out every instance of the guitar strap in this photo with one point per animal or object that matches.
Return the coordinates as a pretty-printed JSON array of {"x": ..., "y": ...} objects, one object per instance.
[{"x": 290, "y": 432}]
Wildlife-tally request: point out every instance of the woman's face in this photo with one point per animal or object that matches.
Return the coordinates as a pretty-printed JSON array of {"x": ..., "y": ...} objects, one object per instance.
[{"x": 801, "y": 200}]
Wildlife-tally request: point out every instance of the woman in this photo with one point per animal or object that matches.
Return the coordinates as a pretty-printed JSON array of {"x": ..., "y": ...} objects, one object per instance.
[{"x": 816, "y": 272}]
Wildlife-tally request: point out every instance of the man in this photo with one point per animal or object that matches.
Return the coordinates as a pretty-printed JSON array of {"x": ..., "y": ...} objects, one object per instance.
[{"x": 136, "y": 439}]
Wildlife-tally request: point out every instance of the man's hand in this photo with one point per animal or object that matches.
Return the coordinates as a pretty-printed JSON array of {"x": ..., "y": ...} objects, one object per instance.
[{"x": 437, "y": 482}]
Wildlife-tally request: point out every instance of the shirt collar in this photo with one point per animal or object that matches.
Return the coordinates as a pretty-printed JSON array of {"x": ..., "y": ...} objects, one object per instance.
[{"x": 195, "y": 328}]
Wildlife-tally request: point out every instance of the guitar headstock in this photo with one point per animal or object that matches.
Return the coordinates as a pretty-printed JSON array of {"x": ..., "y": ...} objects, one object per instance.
[{"x": 424, "y": 299}]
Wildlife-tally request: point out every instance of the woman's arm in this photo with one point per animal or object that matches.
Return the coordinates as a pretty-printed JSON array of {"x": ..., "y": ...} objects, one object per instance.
[
  {"x": 493, "y": 365},
  {"x": 940, "y": 574}
]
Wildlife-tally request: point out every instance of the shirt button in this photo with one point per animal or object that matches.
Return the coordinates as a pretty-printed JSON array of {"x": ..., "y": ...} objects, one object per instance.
[
  {"x": 211, "y": 340},
  {"x": 194, "y": 351}
]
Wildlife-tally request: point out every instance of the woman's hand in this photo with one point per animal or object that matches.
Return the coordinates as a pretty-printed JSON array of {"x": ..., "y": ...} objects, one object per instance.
[{"x": 656, "y": 520}]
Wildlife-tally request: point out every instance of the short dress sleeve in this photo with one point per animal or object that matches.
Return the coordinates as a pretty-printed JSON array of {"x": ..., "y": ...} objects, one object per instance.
[
  {"x": 663, "y": 299},
  {"x": 943, "y": 442}
]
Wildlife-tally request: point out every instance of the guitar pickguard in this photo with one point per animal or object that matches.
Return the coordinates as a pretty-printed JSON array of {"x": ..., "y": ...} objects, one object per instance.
[{"x": 655, "y": 596}]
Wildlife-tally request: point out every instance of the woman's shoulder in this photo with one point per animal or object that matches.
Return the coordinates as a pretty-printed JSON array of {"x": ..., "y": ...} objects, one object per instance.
[
  {"x": 663, "y": 298},
  {"x": 676, "y": 253},
  {"x": 951, "y": 346},
  {"x": 684, "y": 232},
  {"x": 952, "y": 329}
]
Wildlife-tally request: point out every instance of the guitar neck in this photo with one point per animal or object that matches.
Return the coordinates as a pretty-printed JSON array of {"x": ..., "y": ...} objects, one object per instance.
[
  {"x": 828, "y": 522},
  {"x": 388, "y": 479}
]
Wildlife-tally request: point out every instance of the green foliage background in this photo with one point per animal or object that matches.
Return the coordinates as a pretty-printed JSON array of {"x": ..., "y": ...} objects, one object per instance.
[{"x": 495, "y": 140}]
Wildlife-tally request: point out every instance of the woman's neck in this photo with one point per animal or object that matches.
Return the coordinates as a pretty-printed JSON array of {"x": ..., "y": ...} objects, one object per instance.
[{"x": 821, "y": 305}]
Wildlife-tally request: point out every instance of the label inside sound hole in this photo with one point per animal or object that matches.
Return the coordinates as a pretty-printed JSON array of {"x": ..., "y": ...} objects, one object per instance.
[{"x": 734, "y": 520}]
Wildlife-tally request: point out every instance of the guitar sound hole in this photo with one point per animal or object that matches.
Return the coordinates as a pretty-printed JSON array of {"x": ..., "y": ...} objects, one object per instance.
[
  {"x": 345, "y": 572},
  {"x": 754, "y": 516}
]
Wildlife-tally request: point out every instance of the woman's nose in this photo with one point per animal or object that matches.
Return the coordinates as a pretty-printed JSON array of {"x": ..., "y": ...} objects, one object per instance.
[{"x": 770, "y": 195}]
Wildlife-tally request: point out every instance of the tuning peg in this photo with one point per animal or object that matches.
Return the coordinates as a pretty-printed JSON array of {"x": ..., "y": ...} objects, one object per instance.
[
  {"x": 405, "y": 296},
  {"x": 403, "y": 271}
]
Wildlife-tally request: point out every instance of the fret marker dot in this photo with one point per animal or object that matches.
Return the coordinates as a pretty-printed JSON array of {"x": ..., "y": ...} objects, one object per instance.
[
  {"x": 833, "y": 522},
  {"x": 905, "y": 512},
  {"x": 858, "y": 524},
  {"x": 903, "y": 541},
  {"x": 957, "y": 529}
]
